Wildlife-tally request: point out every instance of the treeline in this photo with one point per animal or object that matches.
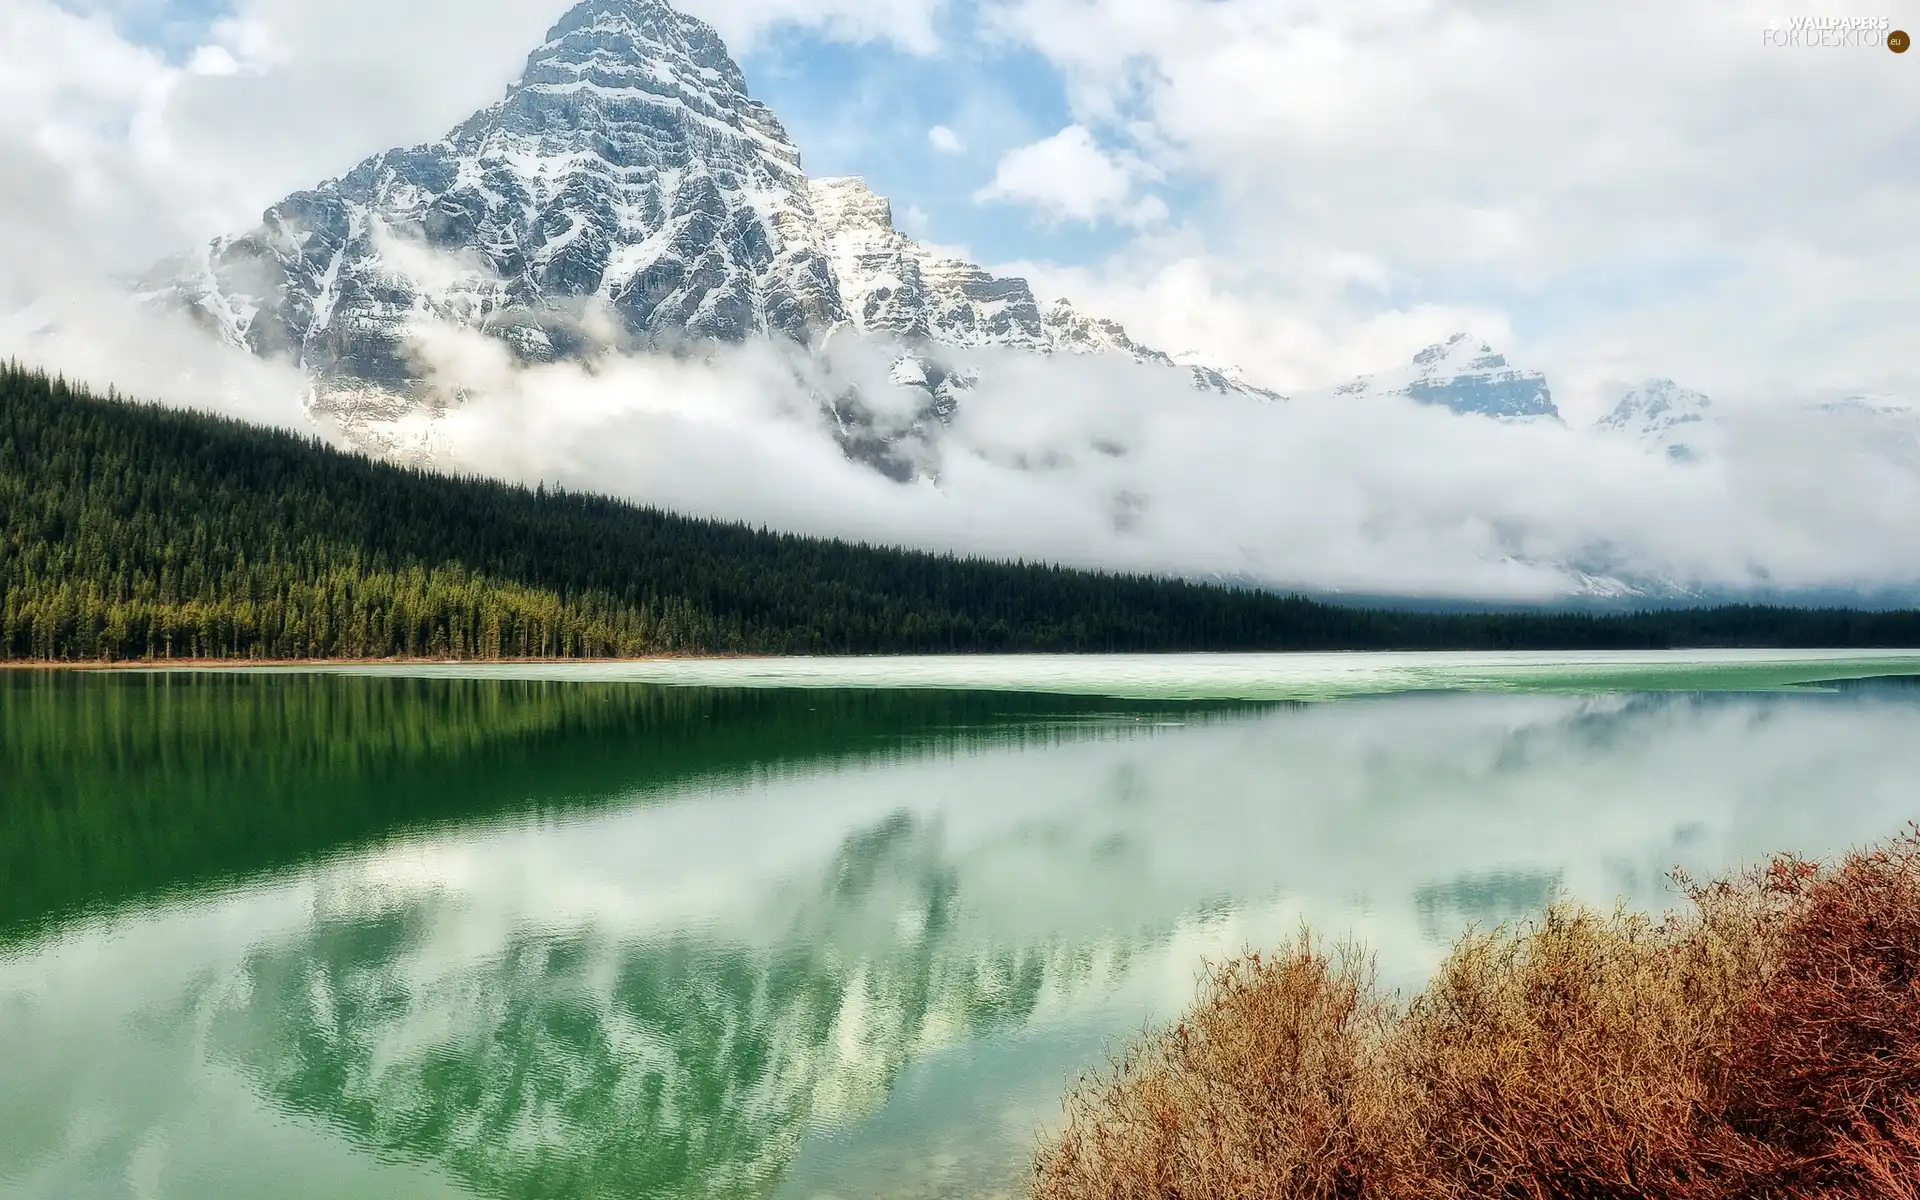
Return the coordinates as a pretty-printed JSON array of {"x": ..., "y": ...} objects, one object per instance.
[{"x": 129, "y": 532}]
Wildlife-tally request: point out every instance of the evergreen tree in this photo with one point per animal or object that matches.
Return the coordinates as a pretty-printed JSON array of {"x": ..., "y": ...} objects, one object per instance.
[{"x": 133, "y": 532}]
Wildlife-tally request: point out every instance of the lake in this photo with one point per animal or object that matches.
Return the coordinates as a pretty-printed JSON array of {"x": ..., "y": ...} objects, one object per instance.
[{"x": 801, "y": 928}]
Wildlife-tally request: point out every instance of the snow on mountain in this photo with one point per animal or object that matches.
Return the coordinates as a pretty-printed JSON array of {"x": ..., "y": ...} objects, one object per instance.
[
  {"x": 1872, "y": 406},
  {"x": 627, "y": 171},
  {"x": 627, "y": 193},
  {"x": 1210, "y": 376},
  {"x": 893, "y": 286},
  {"x": 1661, "y": 413},
  {"x": 1686, "y": 426},
  {"x": 1889, "y": 425},
  {"x": 1466, "y": 375},
  {"x": 1070, "y": 331}
]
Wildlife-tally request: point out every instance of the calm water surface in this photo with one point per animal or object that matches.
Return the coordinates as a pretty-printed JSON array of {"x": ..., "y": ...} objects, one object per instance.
[{"x": 793, "y": 930}]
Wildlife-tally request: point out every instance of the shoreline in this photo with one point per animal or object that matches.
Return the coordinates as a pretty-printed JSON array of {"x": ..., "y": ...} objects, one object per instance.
[
  {"x": 1801, "y": 655},
  {"x": 282, "y": 664}
]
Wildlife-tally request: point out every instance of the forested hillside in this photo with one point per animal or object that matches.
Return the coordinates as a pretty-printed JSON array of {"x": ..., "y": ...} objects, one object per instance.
[{"x": 129, "y": 531}]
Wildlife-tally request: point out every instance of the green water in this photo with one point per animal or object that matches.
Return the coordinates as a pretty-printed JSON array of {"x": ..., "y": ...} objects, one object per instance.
[{"x": 793, "y": 929}]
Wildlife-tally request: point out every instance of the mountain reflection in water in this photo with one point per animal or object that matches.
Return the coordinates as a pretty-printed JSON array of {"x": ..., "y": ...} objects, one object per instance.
[{"x": 308, "y": 935}]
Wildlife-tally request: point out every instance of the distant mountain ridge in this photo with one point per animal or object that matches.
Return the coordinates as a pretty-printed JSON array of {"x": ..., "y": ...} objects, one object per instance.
[
  {"x": 1466, "y": 375},
  {"x": 627, "y": 165},
  {"x": 894, "y": 286},
  {"x": 1661, "y": 413},
  {"x": 627, "y": 193},
  {"x": 141, "y": 532}
]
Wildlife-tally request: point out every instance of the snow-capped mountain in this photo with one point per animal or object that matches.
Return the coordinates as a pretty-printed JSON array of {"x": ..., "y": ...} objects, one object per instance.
[
  {"x": 627, "y": 193},
  {"x": 1466, "y": 375},
  {"x": 1872, "y": 406},
  {"x": 1686, "y": 426},
  {"x": 628, "y": 168},
  {"x": 893, "y": 286},
  {"x": 1889, "y": 424},
  {"x": 1663, "y": 414}
]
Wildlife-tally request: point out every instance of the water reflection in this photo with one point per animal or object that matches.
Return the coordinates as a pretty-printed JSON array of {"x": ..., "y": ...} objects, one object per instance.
[
  {"x": 516, "y": 939},
  {"x": 123, "y": 787},
  {"x": 578, "y": 1062}
]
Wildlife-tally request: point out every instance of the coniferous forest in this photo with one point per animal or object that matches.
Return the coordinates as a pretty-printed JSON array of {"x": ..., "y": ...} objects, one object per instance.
[{"x": 133, "y": 532}]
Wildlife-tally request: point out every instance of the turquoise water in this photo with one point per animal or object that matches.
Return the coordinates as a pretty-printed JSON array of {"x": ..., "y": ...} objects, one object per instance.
[
  {"x": 794, "y": 929},
  {"x": 1230, "y": 676}
]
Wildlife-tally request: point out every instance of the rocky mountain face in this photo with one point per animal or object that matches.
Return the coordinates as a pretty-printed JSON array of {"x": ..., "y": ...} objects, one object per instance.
[
  {"x": 627, "y": 173},
  {"x": 1466, "y": 375},
  {"x": 627, "y": 193},
  {"x": 893, "y": 286},
  {"x": 1662, "y": 414}
]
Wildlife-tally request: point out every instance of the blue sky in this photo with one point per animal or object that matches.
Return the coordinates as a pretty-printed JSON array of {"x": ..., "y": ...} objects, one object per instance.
[
  {"x": 1343, "y": 181},
  {"x": 866, "y": 110},
  {"x": 862, "y": 108},
  {"x": 1334, "y": 184},
  {"x": 173, "y": 27}
]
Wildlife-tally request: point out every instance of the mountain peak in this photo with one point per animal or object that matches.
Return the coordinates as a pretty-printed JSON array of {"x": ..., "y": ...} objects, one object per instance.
[
  {"x": 845, "y": 204},
  {"x": 633, "y": 31},
  {"x": 605, "y": 51},
  {"x": 1657, "y": 399},
  {"x": 626, "y": 172},
  {"x": 1661, "y": 412},
  {"x": 1467, "y": 375},
  {"x": 1461, "y": 353},
  {"x": 625, "y": 192}
]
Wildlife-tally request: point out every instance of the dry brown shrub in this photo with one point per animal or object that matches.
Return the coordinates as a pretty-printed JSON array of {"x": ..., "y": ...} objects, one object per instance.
[
  {"x": 1765, "y": 1043},
  {"x": 1268, "y": 1089},
  {"x": 1826, "y": 1055},
  {"x": 1576, "y": 1057},
  {"x": 1879, "y": 1162}
]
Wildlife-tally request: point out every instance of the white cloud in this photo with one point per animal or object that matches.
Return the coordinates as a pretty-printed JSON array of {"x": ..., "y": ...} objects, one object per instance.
[
  {"x": 1070, "y": 177},
  {"x": 1171, "y": 292},
  {"x": 945, "y": 140},
  {"x": 909, "y": 24},
  {"x": 102, "y": 337},
  {"x": 111, "y": 156},
  {"x": 1125, "y": 467},
  {"x": 1608, "y": 194},
  {"x": 213, "y": 60},
  {"x": 1647, "y": 177}
]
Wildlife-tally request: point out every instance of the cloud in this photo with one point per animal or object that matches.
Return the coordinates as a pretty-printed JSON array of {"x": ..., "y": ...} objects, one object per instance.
[
  {"x": 1171, "y": 291},
  {"x": 909, "y": 24},
  {"x": 1648, "y": 187},
  {"x": 1070, "y": 177},
  {"x": 945, "y": 140},
  {"x": 1125, "y": 467},
  {"x": 102, "y": 337},
  {"x": 113, "y": 154},
  {"x": 1376, "y": 176}
]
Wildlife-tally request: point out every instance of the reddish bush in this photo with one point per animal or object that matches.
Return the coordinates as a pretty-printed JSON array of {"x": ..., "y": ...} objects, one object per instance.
[
  {"x": 1825, "y": 1059},
  {"x": 1764, "y": 1044},
  {"x": 1267, "y": 1090}
]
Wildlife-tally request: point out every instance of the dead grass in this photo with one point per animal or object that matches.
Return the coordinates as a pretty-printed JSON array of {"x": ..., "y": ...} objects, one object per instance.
[{"x": 1763, "y": 1043}]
